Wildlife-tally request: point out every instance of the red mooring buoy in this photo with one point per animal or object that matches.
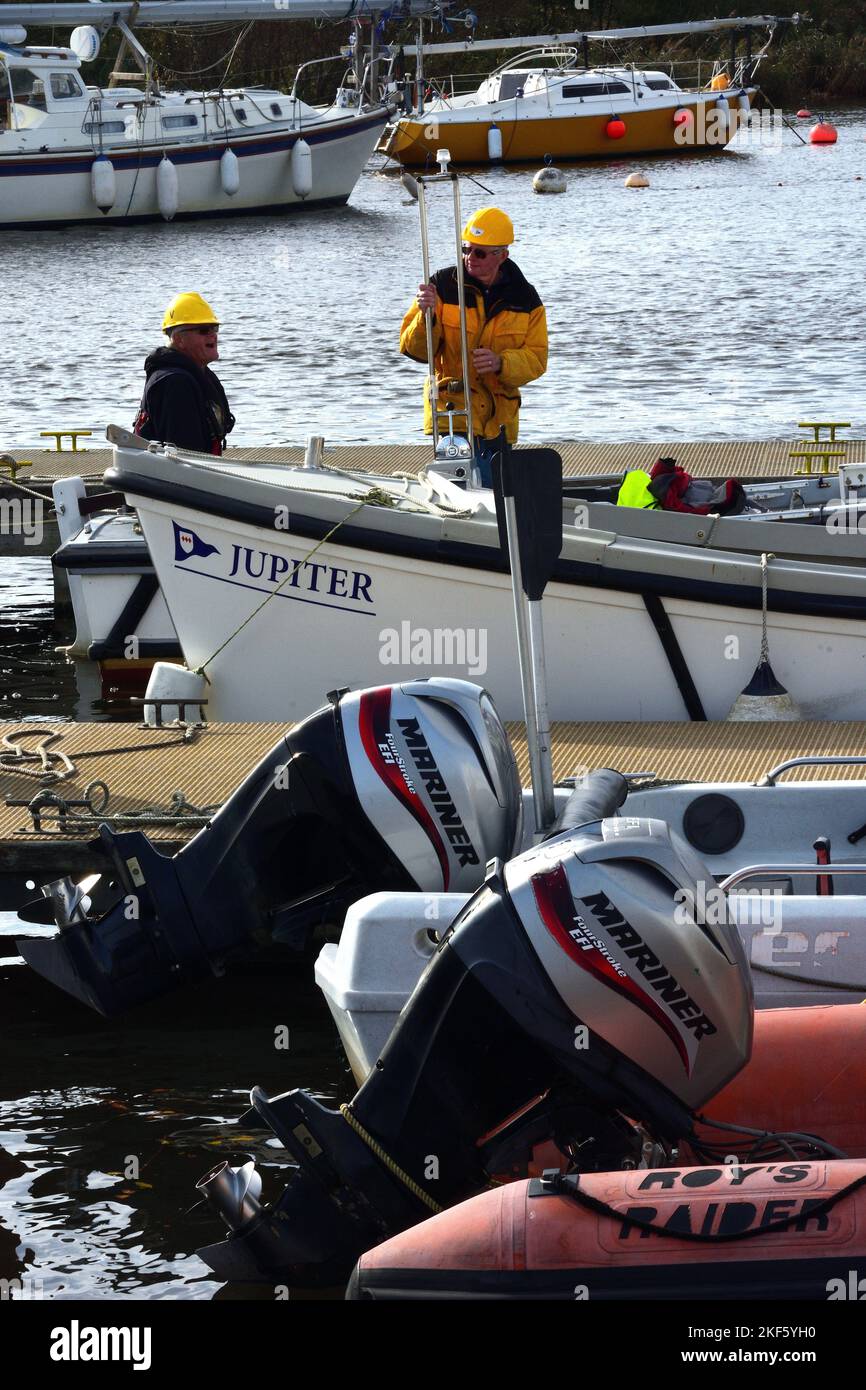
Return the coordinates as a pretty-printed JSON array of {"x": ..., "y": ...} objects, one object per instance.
[
  {"x": 823, "y": 134},
  {"x": 804, "y": 115},
  {"x": 615, "y": 128}
]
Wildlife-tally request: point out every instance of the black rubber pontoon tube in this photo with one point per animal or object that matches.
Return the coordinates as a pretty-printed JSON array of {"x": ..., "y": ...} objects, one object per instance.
[{"x": 597, "y": 795}]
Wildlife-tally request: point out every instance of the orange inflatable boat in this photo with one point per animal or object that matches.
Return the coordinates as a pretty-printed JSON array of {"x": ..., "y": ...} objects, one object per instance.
[
  {"x": 807, "y": 1075},
  {"x": 742, "y": 1229},
  {"x": 765, "y": 1231}
]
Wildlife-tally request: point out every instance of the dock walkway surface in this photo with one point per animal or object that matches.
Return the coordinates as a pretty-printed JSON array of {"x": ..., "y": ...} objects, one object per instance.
[
  {"x": 730, "y": 458},
  {"x": 580, "y": 458},
  {"x": 144, "y": 767}
]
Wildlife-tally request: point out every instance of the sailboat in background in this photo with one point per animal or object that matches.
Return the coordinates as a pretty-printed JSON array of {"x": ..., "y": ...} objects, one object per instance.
[
  {"x": 549, "y": 101},
  {"x": 77, "y": 153}
]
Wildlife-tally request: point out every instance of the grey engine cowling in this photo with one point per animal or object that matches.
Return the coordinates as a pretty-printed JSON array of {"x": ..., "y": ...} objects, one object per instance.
[
  {"x": 568, "y": 1000},
  {"x": 408, "y": 786}
]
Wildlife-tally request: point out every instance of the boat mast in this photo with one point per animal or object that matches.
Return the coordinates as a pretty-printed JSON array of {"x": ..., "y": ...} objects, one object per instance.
[
  {"x": 584, "y": 37},
  {"x": 144, "y": 13},
  {"x": 129, "y": 44},
  {"x": 419, "y": 67}
]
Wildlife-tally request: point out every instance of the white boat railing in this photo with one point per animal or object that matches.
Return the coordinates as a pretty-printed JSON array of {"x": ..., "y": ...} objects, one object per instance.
[
  {"x": 786, "y": 870},
  {"x": 813, "y": 760}
]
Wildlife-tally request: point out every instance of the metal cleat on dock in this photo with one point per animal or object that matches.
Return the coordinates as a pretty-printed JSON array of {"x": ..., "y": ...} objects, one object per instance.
[
  {"x": 10, "y": 467},
  {"x": 59, "y": 435}
]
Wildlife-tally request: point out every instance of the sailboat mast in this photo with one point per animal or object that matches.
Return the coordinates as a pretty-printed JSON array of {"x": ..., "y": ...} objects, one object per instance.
[
  {"x": 584, "y": 37},
  {"x": 143, "y": 13}
]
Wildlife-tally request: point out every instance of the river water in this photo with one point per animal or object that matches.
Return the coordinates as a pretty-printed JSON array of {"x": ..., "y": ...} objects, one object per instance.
[{"x": 717, "y": 303}]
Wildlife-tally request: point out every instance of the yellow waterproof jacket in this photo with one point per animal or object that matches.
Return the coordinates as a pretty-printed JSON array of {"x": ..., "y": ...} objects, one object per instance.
[{"x": 508, "y": 318}]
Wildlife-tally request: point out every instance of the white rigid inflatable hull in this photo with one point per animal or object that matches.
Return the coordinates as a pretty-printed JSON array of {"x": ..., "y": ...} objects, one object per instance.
[{"x": 803, "y": 949}]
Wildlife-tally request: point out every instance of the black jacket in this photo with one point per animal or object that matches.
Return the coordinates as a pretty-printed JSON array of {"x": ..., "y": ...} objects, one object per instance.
[{"x": 183, "y": 404}]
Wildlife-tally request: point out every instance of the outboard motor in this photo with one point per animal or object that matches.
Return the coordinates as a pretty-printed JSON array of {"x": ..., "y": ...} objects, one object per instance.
[
  {"x": 567, "y": 1001},
  {"x": 403, "y": 787}
]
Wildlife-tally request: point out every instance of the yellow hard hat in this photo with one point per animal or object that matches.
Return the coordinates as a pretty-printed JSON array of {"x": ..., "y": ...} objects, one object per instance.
[
  {"x": 188, "y": 308},
  {"x": 489, "y": 227}
]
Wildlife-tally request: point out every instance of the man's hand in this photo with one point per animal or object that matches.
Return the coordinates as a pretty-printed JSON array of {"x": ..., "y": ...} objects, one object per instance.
[
  {"x": 426, "y": 297},
  {"x": 485, "y": 361}
]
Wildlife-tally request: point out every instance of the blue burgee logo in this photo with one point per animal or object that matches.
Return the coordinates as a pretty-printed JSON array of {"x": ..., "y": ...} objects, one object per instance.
[{"x": 187, "y": 543}]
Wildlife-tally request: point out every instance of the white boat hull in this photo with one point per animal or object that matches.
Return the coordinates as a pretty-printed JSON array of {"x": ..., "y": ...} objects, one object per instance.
[
  {"x": 39, "y": 189},
  {"x": 365, "y": 617},
  {"x": 119, "y": 612}
]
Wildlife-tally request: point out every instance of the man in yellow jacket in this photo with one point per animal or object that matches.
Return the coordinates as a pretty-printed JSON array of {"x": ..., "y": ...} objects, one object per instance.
[{"x": 506, "y": 329}]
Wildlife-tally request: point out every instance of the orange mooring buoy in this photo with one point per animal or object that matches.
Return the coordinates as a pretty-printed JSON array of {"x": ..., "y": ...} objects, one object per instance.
[
  {"x": 615, "y": 128},
  {"x": 804, "y": 115},
  {"x": 824, "y": 133}
]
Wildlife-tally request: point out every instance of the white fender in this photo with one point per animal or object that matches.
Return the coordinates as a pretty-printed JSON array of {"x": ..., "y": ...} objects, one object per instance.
[
  {"x": 745, "y": 102},
  {"x": 230, "y": 174},
  {"x": 166, "y": 188},
  {"x": 168, "y": 681},
  {"x": 494, "y": 143},
  {"x": 302, "y": 169},
  {"x": 103, "y": 184}
]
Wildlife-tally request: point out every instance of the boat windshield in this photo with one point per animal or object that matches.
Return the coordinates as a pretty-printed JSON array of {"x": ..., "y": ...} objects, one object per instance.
[
  {"x": 65, "y": 85},
  {"x": 28, "y": 88}
]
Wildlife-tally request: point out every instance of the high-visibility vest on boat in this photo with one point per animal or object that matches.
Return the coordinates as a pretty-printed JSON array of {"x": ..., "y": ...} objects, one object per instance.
[{"x": 635, "y": 490}]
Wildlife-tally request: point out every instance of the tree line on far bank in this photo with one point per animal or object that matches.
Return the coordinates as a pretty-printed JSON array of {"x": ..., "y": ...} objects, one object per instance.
[{"x": 822, "y": 61}]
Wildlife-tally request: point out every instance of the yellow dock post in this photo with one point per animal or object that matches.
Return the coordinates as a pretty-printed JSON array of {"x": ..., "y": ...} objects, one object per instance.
[
  {"x": 821, "y": 450},
  {"x": 74, "y": 435}
]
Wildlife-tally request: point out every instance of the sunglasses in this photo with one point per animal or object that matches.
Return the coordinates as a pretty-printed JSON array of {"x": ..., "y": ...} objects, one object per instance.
[
  {"x": 205, "y": 331},
  {"x": 479, "y": 252}
]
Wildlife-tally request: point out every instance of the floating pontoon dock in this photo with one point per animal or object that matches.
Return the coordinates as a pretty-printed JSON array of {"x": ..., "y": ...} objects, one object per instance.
[
  {"x": 144, "y": 769},
  {"x": 768, "y": 458}
]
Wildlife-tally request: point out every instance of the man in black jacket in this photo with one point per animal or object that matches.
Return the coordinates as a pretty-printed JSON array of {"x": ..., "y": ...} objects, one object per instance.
[{"x": 184, "y": 402}]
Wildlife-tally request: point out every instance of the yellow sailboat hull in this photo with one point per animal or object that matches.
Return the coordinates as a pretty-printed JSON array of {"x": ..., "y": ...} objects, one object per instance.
[{"x": 413, "y": 140}]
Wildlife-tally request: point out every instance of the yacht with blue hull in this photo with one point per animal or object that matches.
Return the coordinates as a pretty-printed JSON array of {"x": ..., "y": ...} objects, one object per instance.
[{"x": 72, "y": 152}]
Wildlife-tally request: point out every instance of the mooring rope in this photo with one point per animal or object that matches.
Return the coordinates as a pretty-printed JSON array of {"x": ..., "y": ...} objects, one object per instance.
[
  {"x": 765, "y": 642},
  {"x": 13, "y": 482},
  {"x": 376, "y": 497},
  {"x": 16, "y": 758},
  {"x": 385, "y": 1158},
  {"x": 179, "y": 811}
]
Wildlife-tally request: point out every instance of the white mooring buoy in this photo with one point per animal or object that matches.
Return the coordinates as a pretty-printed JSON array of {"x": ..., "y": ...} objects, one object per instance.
[
  {"x": 637, "y": 180},
  {"x": 549, "y": 180},
  {"x": 764, "y": 699}
]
